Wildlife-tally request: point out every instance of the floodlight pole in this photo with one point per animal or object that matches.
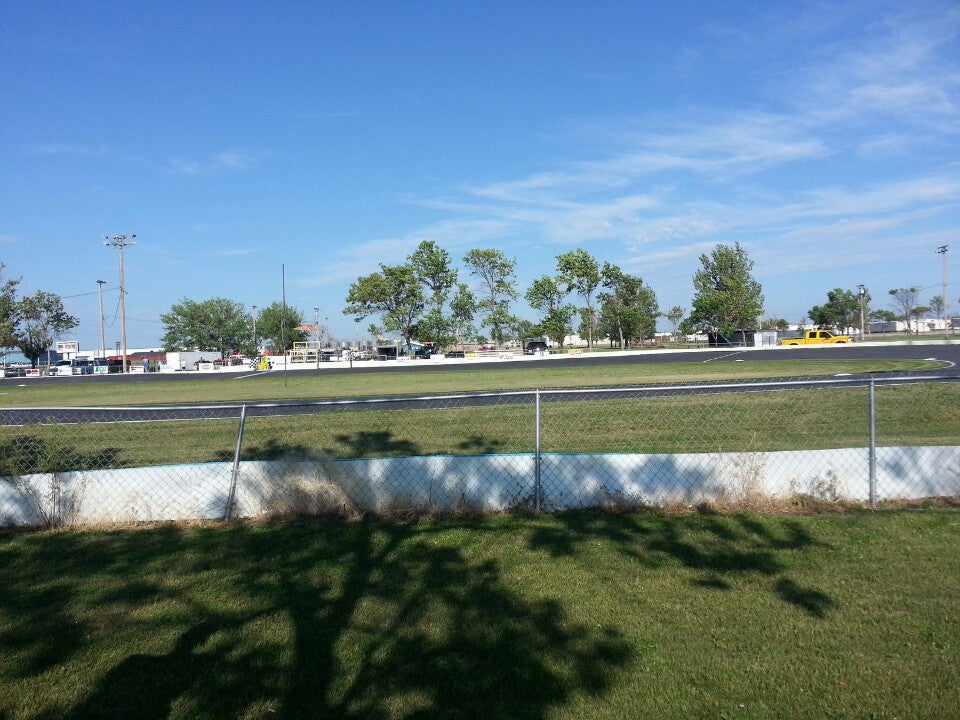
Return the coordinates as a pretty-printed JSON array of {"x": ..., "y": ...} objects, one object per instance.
[
  {"x": 863, "y": 293},
  {"x": 942, "y": 251},
  {"x": 253, "y": 314},
  {"x": 103, "y": 342},
  {"x": 316, "y": 325},
  {"x": 120, "y": 242}
]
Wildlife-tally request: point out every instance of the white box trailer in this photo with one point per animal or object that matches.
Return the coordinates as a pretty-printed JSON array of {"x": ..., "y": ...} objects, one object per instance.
[{"x": 189, "y": 359}]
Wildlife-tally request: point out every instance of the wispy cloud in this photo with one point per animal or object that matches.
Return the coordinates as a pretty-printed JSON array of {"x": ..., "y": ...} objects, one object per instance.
[
  {"x": 71, "y": 149},
  {"x": 235, "y": 160}
]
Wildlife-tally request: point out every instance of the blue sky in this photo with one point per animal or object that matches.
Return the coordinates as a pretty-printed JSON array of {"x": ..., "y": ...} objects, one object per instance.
[{"x": 327, "y": 137}]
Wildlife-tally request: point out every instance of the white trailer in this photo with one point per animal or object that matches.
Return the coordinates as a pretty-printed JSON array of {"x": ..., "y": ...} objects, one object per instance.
[{"x": 189, "y": 359}]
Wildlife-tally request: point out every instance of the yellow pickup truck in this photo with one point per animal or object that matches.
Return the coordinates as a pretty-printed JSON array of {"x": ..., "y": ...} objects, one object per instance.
[{"x": 816, "y": 337}]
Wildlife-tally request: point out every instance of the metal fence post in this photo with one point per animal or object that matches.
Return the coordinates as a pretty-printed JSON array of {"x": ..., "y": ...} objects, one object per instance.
[
  {"x": 231, "y": 498},
  {"x": 873, "y": 444},
  {"x": 537, "y": 491}
]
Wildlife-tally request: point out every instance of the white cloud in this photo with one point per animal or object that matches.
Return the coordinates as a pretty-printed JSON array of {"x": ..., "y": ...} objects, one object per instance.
[{"x": 235, "y": 160}]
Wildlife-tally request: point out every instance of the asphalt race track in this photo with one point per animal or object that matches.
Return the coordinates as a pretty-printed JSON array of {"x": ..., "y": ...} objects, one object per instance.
[{"x": 947, "y": 353}]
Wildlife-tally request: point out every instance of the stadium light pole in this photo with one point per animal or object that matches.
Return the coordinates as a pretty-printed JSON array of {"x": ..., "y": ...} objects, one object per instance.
[
  {"x": 942, "y": 252},
  {"x": 103, "y": 341},
  {"x": 863, "y": 292},
  {"x": 120, "y": 242},
  {"x": 253, "y": 313},
  {"x": 316, "y": 328}
]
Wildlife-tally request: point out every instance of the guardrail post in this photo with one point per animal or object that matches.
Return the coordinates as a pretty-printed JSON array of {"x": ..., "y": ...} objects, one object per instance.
[
  {"x": 231, "y": 498},
  {"x": 537, "y": 490},
  {"x": 873, "y": 444}
]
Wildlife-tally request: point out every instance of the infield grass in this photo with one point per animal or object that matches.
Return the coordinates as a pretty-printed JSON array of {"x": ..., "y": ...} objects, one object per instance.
[
  {"x": 923, "y": 414},
  {"x": 417, "y": 381},
  {"x": 580, "y": 615}
]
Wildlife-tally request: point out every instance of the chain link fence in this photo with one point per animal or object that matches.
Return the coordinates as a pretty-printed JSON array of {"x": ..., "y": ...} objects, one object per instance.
[{"x": 741, "y": 443}]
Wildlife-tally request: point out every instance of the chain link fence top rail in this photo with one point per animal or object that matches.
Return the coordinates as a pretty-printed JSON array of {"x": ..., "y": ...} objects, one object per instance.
[{"x": 734, "y": 442}]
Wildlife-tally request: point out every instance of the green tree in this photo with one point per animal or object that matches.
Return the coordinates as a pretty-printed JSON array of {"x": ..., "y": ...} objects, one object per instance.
[
  {"x": 937, "y": 305},
  {"x": 8, "y": 309},
  {"x": 463, "y": 308},
  {"x": 394, "y": 293},
  {"x": 905, "y": 300},
  {"x": 774, "y": 324},
  {"x": 579, "y": 271},
  {"x": 547, "y": 296},
  {"x": 727, "y": 296},
  {"x": 842, "y": 310},
  {"x": 882, "y": 315},
  {"x": 214, "y": 325},
  {"x": 496, "y": 272},
  {"x": 431, "y": 264},
  {"x": 40, "y": 319},
  {"x": 277, "y": 327},
  {"x": 674, "y": 316},
  {"x": 628, "y": 310}
]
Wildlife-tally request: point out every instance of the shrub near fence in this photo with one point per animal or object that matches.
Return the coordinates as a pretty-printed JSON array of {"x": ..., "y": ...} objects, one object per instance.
[{"x": 539, "y": 450}]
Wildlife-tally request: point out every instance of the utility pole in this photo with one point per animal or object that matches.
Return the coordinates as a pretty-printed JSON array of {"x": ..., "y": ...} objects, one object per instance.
[
  {"x": 316, "y": 325},
  {"x": 103, "y": 342},
  {"x": 863, "y": 293},
  {"x": 942, "y": 251},
  {"x": 120, "y": 242},
  {"x": 255, "y": 347}
]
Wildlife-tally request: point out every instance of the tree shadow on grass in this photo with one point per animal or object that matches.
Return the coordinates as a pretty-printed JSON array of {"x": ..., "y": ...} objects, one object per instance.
[
  {"x": 26, "y": 454},
  {"x": 719, "y": 548},
  {"x": 311, "y": 620}
]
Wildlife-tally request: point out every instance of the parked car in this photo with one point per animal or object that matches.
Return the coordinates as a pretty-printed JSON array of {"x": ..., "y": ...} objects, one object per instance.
[
  {"x": 61, "y": 367},
  {"x": 14, "y": 371}
]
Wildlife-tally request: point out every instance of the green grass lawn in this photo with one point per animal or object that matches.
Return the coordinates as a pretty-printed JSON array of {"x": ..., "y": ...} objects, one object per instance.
[
  {"x": 38, "y": 393},
  {"x": 582, "y": 615}
]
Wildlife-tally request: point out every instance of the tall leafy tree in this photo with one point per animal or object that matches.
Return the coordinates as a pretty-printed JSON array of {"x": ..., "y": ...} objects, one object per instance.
[
  {"x": 579, "y": 271},
  {"x": 727, "y": 296},
  {"x": 937, "y": 305},
  {"x": 215, "y": 325},
  {"x": 394, "y": 293},
  {"x": 40, "y": 320},
  {"x": 674, "y": 316},
  {"x": 433, "y": 267},
  {"x": 463, "y": 308},
  {"x": 8, "y": 309},
  {"x": 496, "y": 273},
  {"x": 628, "y": 309},
  {"x": 546, "y": 295},
  {"x": 277, "y": 327},
  {"x": 842, "y": 310}
]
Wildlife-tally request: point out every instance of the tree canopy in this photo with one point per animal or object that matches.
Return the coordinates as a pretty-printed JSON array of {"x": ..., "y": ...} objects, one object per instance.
[
  {"x": 217, "y": 324},
  {"x": 842, "y": 310},
  {"x": 496, "y": 272},
  {"x": 547, "y": 296},
  {"x": 277, "y": 327},
  {"x": 8, "y": 309},
  {"x": 394, "y": 293},
  {"x": 579, "y": 271},
  {"x": 40, "y": 319},
  {"x": 628, "y": 309},
  {"x": 727, "y": 296}
]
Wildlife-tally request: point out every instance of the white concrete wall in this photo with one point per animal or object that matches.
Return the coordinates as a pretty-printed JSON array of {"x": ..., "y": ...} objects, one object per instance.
[{"x": 490, "y": 483}]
